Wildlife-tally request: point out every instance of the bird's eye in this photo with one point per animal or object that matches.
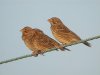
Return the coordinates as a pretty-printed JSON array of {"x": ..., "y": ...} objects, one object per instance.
[
  {"x": 26, "y": 31},
  {"x": 55, "y": 22}
]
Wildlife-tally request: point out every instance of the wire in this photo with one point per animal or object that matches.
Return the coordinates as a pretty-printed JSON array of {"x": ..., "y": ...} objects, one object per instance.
[{"x": 30, "y": 55}]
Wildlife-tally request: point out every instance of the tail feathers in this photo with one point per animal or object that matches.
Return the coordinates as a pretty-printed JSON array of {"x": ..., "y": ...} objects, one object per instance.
[
  {"x": 66, "y": 49},
  {"x": 87, "y": 44},
  {"x": 63, "y": 49}
]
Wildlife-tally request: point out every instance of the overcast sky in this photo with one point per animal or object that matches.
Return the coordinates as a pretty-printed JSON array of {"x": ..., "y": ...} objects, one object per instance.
[{"x": 81, "y": 16}]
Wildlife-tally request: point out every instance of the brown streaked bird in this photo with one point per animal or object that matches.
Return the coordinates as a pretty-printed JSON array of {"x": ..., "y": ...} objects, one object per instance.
[
  {"x": 62, "y": 33},
  {"x": 37, "y": 41}
]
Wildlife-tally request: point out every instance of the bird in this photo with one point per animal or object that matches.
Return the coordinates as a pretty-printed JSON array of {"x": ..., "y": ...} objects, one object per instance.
[
  {"x": 38, "y": 42},
  {"x": 62, "y": 33}
]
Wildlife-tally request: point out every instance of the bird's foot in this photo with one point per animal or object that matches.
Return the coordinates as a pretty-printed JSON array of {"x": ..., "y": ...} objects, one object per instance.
[
  {"x": 56, "y": 49},
  {"x": 35, "y": 53},
  {"x": 41, "y": 52}
]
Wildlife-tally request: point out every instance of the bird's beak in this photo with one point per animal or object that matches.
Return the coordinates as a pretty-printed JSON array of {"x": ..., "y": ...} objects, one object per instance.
[{"x": 49, "y": 20}]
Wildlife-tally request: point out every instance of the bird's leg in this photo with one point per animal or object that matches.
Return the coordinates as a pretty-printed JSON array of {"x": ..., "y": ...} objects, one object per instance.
[
  {"x": 41, "y": 52},
  {"x": 56, "y": 49},
  {"x": 35, "y": 53}
]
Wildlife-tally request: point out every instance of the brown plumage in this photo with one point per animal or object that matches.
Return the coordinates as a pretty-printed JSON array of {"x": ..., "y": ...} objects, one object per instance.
[
  {"x": 62, "y": 33},
  {"x": 37, "y": 41}
]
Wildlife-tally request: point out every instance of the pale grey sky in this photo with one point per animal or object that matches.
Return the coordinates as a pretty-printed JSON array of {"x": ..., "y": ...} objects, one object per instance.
[{"x": 81, "y": 16}]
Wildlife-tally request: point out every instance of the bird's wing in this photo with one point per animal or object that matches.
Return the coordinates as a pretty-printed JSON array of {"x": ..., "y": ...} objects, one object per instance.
[
  {"x": 65, "y": 32},
  {"x": 43, "y": 43}
]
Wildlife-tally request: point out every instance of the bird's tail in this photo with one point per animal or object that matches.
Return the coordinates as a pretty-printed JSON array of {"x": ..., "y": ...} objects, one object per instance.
[
  {"x": 66, "y": 49},
  {"x": 87, "y": 44},
  {"x": 63, "y": 48}
]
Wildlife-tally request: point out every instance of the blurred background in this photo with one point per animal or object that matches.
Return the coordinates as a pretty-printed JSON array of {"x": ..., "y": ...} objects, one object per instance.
[{"x": 81, "y": 16}]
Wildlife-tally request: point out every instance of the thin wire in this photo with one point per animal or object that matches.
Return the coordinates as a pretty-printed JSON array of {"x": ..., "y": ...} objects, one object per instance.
[{"x": 30, "y": 55}]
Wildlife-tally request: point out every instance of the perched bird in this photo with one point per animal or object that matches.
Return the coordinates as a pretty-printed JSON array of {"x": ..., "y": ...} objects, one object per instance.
[
  {"x": 62, "y": 33},
  {"x": 37, "y": 41}
]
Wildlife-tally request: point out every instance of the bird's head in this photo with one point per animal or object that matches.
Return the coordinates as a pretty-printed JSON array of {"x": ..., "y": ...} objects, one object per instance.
[
  {"x": 26, "y": 29},
  {"x": 54, "y": 21}
]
